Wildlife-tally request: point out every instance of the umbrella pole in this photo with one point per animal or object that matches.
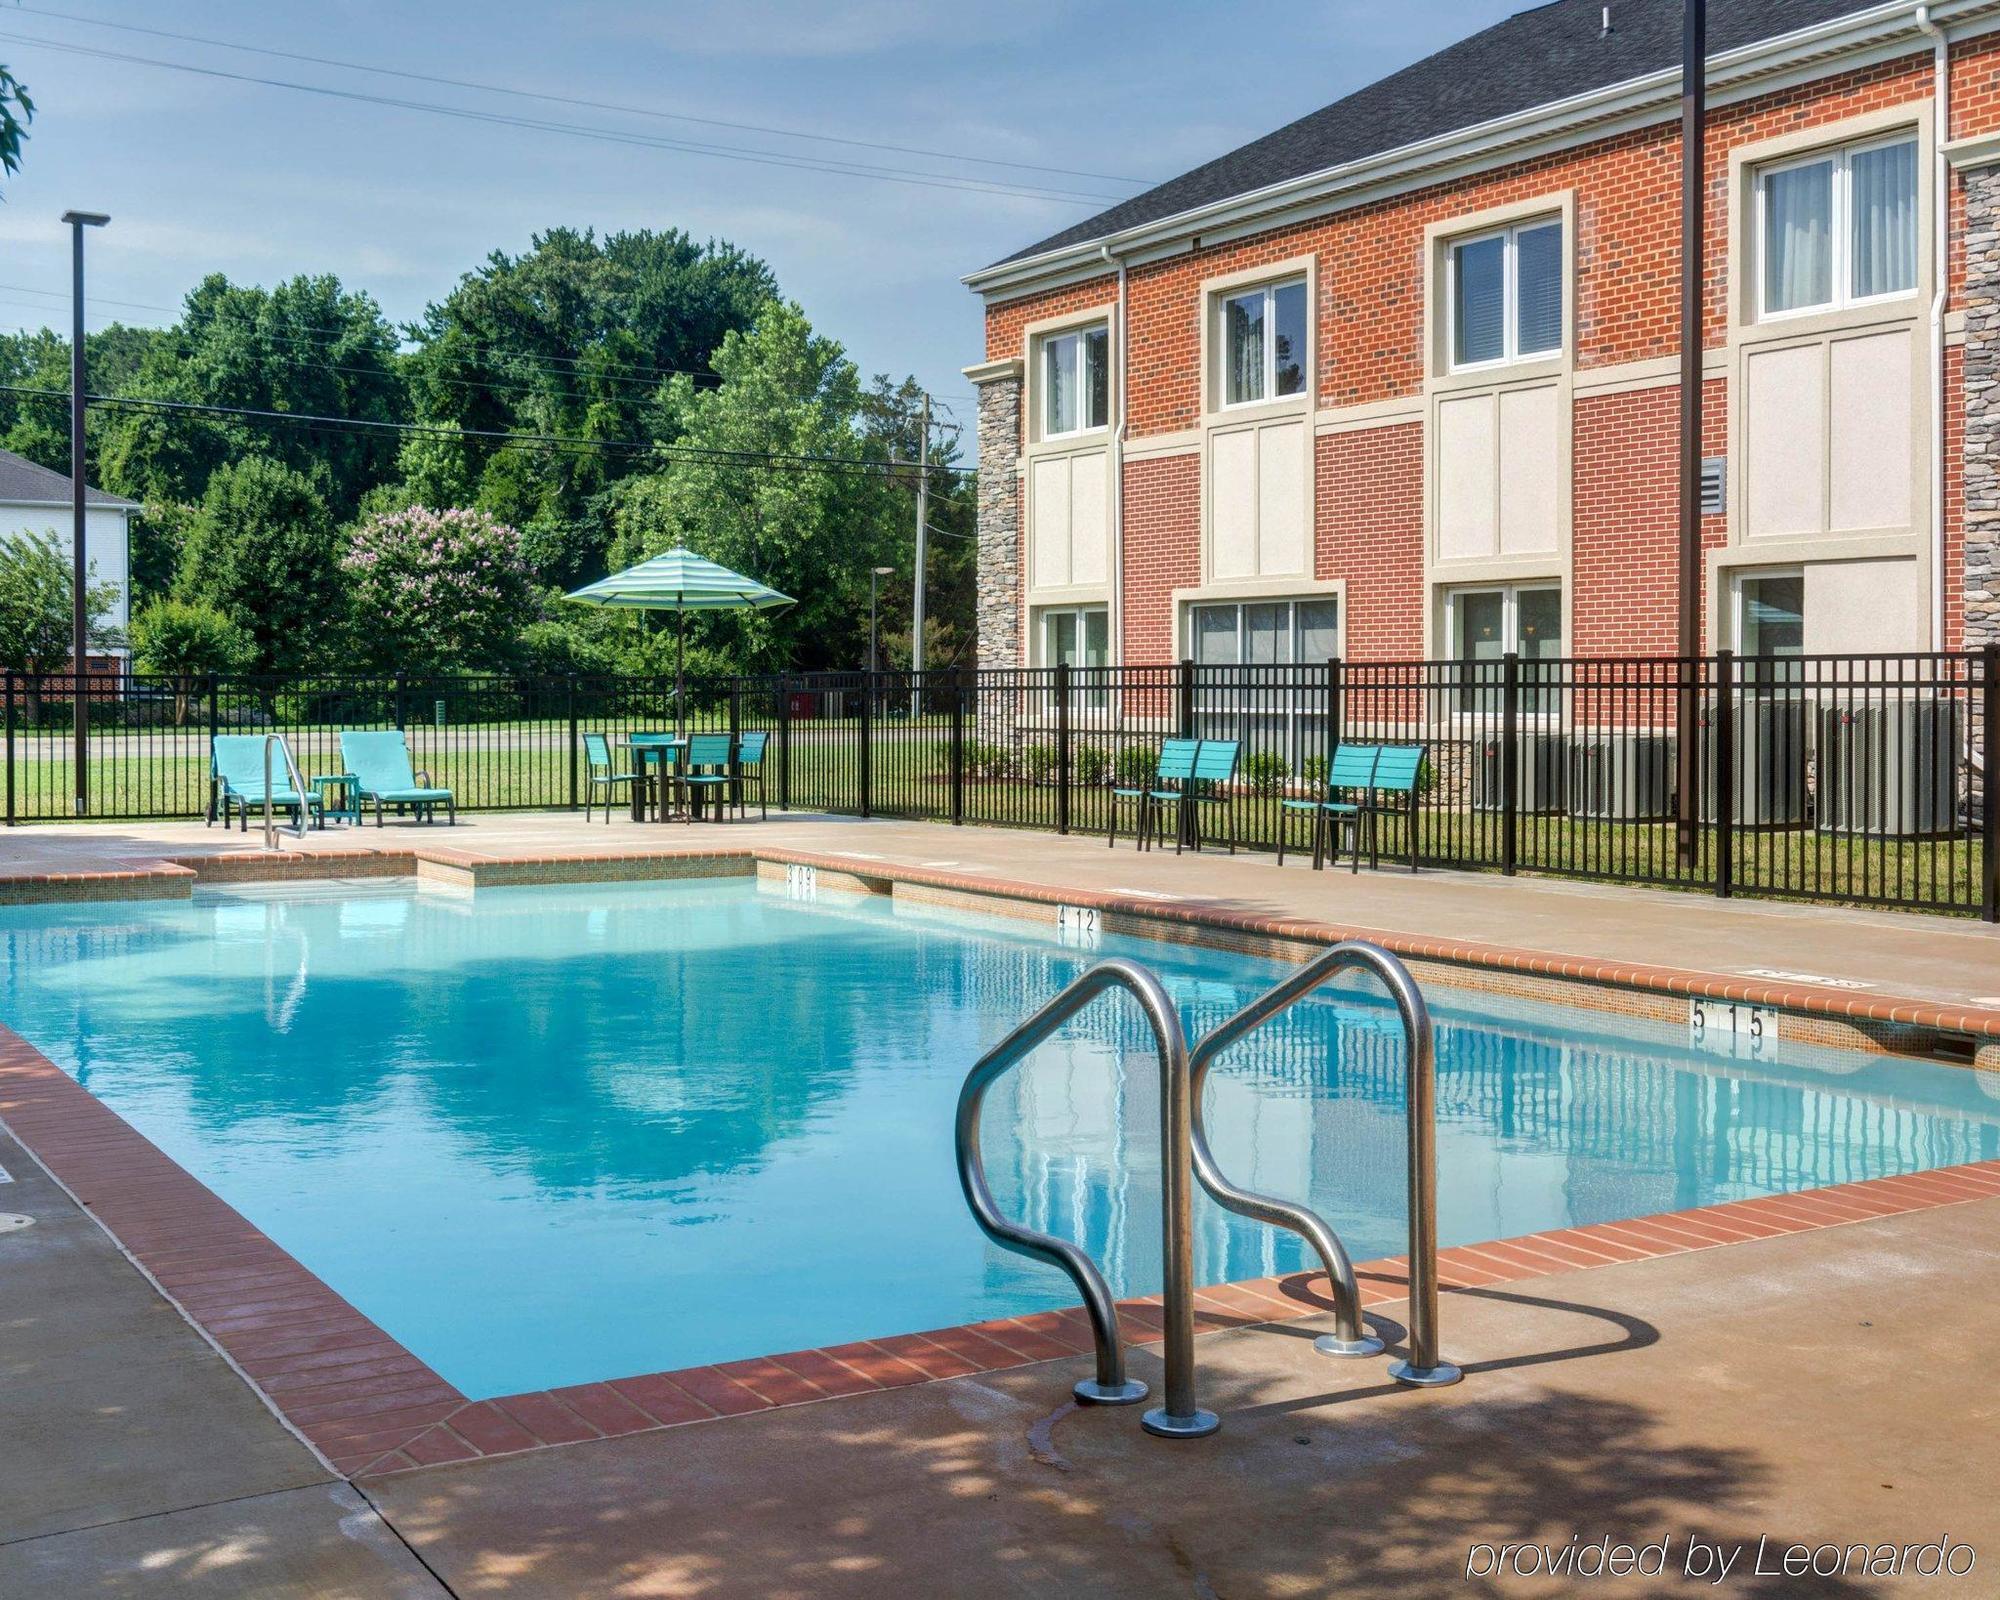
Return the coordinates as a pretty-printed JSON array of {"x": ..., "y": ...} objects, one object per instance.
[{"x": 680, "y": 672}]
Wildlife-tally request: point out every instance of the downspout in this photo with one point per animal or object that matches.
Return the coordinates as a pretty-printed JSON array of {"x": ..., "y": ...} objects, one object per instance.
[
  {"x": 1941, "y": 204},
  {"x": 1115, "y": 622}
]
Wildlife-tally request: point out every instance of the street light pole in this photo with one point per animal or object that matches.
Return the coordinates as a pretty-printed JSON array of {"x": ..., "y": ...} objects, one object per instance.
[
  {"x": 923, "y": 551},
  {"x": 1694, "y": 184},
  {"x": 79, "y": 566}
]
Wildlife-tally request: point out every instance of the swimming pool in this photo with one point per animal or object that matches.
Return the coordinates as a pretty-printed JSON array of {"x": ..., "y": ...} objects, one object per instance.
[{"x": 549, "y": 1135}]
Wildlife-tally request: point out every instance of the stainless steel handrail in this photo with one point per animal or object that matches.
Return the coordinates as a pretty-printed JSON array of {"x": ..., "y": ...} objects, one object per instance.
[
  {"x": 1424, "y": 1367},
  {"x": 294, "y": 777},
  {"x": 1180, "y": 1417}
]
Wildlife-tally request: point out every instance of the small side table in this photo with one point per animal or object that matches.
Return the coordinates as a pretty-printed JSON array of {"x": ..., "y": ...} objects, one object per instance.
[{"x": 344, "y": 787}]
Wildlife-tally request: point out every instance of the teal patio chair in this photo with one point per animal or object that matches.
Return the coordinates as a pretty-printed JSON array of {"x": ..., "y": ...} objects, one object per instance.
[
  {"x": 599, "y": 773},
  {"x": 750, "y": 769},
  {"x": 379, "y": 764},
  {"x": 706, "y": 773},
  {"x": 1352, "y": 771},
  {"x": 1214, "y": 786},
  {"x": 1175, "y": 766},
  {"x": 236, "y": 777},
  {"x": 1398, "y": 774}
]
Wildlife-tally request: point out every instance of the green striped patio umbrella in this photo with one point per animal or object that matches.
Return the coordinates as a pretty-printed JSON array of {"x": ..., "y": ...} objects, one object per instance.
[{"x": 681, "y": 581}]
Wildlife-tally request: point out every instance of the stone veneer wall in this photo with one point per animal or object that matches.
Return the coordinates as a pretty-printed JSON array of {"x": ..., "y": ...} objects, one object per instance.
[
  {"x": 999, "y": 523},
  {"x": 1982, "y": 407}
]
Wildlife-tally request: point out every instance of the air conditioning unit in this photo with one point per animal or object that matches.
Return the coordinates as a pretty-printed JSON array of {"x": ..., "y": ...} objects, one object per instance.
[
  {"x": 1889, "y": 768},
  {"x": 1624, "y": 777},
  {"x": 1540, "y": 778},
  {"x": 1769, "y": 790}
]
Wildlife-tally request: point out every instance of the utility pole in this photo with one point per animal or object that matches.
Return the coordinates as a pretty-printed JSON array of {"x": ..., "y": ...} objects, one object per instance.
[
  {"x": 79, "y": 611},
  {"x": 923, "y": 537},
  {"x": 1694, "y": 185}
]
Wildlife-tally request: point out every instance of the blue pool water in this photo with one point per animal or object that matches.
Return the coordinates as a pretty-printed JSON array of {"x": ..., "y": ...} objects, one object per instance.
[{"x": 560, "y": 1134}]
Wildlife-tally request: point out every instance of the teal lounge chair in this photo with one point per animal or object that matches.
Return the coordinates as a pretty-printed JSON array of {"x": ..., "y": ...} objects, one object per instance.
[
  {"x": 236, "y": 777},
  {"x": 599, "y": 774},
  {"x": 1213, "y": 785},
  {"x": 379, "y": 764},
  {"x": 1175, "y": 766}
]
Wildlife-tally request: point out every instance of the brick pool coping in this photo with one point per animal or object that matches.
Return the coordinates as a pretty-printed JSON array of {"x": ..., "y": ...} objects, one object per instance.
[{"x": 371, "y": 1407}]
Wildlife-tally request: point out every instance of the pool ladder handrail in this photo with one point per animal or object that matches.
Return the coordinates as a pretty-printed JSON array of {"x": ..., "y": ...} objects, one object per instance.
[
  {"x": 1180, "y": 1417},
  {"x": 1423, "y": 1367},
  {"x": 298, "y": 783}
]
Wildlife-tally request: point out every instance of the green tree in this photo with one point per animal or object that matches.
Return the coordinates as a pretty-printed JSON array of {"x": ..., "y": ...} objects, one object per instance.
[
  {"x": 574, "y": 340},
  {"x": 263, "y": 551},
  {"x": 35, "y": 613},
  {"x": 760, "y": 480},
  {"x": 307, "y": 347},
  {"x": 437, "y": 590},
  {"x": 186, "y": 640},
  {"x": 16, "y": 112}
]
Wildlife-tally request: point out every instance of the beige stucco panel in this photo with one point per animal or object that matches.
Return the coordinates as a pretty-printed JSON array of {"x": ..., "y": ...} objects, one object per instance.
[
  {"x": 1784, "y": 410},
  {"x": 1282, "y": 538},
  {"x": 1467, "y": 503},
  {"x": 1871, "y": 477},
  {"x": 1232, "y": 511},
  {"x": 1049, "y": 522},
  {"x": 1090, "y": 517},
  {"x": 1865, "y": 606},
  {"x": 1530, "y": 471}
]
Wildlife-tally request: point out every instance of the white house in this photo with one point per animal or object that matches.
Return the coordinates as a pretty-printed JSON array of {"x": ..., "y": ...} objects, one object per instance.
[{"x": 34, "y": 500}]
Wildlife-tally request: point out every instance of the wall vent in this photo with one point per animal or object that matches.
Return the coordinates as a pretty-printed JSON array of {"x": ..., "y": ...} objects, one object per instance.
[{"x": 1714, "y": 485}]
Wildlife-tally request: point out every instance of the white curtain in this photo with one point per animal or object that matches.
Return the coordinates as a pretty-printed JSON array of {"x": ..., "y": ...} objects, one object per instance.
[
  {"x": 1798, "y": 237},
  {"x": 1059, "y": 373},
  {"x": 1885, "y": 219},
  {"x": 1243, "y": 348}
]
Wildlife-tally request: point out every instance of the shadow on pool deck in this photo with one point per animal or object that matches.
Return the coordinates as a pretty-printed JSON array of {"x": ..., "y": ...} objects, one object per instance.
[{"x": 1766, "y": 1391}]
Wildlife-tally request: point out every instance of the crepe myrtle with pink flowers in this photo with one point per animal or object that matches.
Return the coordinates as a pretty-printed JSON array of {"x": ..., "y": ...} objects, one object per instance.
[{"x": 437, "y": 590}]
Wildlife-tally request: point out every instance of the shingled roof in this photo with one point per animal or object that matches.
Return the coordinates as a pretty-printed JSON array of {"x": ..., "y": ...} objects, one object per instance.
[
  {"x": 22, "y": 483},
  {"x": 1533, "y": 59}
]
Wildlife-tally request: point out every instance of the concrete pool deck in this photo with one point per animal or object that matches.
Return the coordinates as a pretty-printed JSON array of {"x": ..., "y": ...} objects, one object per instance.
[
  {"x": 1827, "y": 1386},
  {"x": 1805, "y": 1367}
]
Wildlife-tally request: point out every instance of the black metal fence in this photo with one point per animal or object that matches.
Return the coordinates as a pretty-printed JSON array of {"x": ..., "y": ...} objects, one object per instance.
[{"x": 1861, "y": 779}]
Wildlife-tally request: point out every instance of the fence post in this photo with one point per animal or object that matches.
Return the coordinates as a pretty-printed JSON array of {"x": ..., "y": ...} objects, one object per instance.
[
  {"x": 1062, "y": 746},
  {"x": 1336, "y": 711},
  {"x": 1510, "y": 761},
  {"x": 959, "y": 678},
  {"x": 1989, "y": 906},
  {"x": 784, "y": 743},
  {"x": 214, "y": 730},
  {"x": 867, "y": 742},
  {"x": 10, "y": 750},
  {"x": 1185, "y": 711},
  {"x": 573, "y": 782},
  {"x": 1724, "y": 776}
]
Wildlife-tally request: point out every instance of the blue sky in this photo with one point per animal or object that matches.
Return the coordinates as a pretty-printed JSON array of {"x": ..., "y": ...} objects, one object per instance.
[{"x": 204, "y": 174}]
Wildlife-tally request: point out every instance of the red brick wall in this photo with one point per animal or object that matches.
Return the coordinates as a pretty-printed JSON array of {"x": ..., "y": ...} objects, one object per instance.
[
  {"x": 1162, "y": 552},
  {"x": 1370, "y": 515}
]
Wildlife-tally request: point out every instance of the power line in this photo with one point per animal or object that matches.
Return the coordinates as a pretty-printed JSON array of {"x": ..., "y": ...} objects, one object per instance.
[
  {"x": 588, "y": 105},
  {"x": 785, "y": 458},
  {"x": 850, "y": 169}
]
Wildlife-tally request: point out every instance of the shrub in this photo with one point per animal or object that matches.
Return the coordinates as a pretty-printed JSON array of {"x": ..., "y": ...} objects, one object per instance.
[
  {"x": 1314, "y": 771},
  {"x": 1266, "y": 772},
  {"x": 1090, "y": 764},
  {"x": 1041, "y": 761},
  {"x": 987, "y": 760},
  {"x": 1136, "y": 765}
]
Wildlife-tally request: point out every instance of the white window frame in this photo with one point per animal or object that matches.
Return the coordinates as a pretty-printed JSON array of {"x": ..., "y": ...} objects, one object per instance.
[
  {"x": 1269, "y": 292},
  {"x": 1510, "y": 276},
  {"x": 1299, "y": 713},
  {"x": 1465, "y": 700},
  {"x": 1081, "y": 335},
  {"x": 1841, "y": 224},
  {"x": 1086, "y": 696}
]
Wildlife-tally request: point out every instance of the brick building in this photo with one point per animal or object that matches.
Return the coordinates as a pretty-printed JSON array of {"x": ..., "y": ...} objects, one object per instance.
[{"x": 1401, "y": 380}]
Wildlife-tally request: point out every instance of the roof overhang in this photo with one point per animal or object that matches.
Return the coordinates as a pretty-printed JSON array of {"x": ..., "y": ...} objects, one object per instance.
[
  {"x": 1857, "y": 39},
  {"x": 64, "y": 505}
]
